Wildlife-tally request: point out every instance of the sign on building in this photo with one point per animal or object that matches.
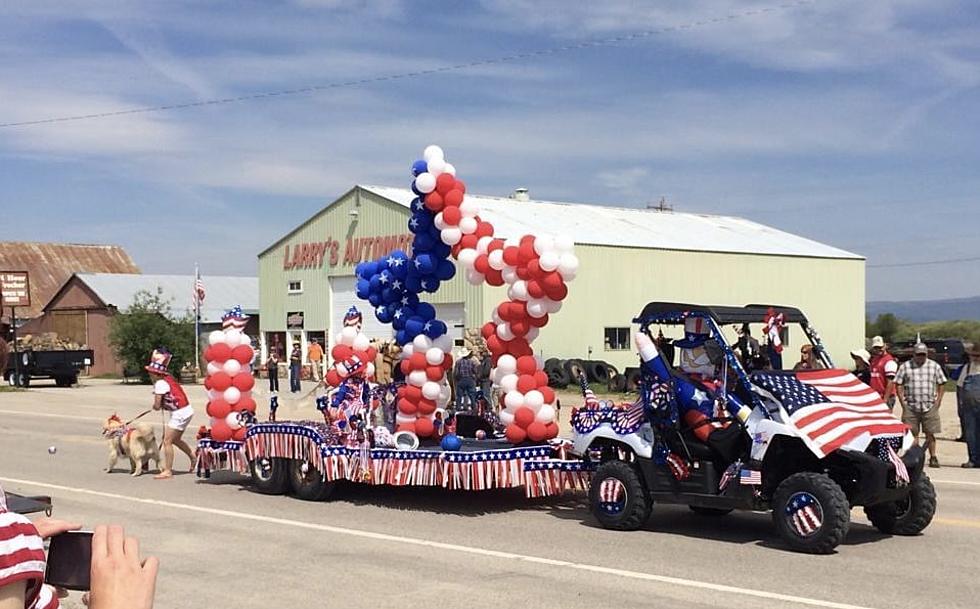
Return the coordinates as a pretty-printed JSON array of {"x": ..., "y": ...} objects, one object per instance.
[
  {"x": 294, "y": 320},
  {"x": 15, "y": 289}
]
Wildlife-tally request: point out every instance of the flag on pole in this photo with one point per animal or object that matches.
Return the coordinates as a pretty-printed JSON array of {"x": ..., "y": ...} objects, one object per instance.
[{"x": 198, "y": 291}]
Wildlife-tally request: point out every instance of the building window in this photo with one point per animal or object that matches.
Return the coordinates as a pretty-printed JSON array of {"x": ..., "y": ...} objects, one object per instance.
[
  {"x": 617, "y": 339},
  {"x": 295, "y": 287}
]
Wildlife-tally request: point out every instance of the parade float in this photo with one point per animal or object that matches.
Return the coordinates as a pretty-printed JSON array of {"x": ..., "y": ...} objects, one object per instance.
[{"x": 403, "y": 434}]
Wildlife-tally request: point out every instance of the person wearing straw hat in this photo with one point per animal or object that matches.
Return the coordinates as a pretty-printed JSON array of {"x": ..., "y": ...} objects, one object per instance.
[
  {"x": 169, "y": 396},
  {"x": 968, "y": 403},
  {"x": 862, "y": 365}
]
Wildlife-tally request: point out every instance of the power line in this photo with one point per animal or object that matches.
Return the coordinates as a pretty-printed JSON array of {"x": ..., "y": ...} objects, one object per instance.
[
  {"x": 924, "y": 263},
  {"x": 403, "y": 75}
]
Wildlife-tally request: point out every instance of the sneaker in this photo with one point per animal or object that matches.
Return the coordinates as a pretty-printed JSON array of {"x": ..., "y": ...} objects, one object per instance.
[
  {"x": 968, "y": 465},
  {"x": 933, "y": 462}
]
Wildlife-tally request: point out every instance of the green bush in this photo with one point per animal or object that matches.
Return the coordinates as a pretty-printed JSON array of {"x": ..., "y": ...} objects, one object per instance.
[
  {"x": 896, "y": 330},
  {"x": 147, "y": 324}
]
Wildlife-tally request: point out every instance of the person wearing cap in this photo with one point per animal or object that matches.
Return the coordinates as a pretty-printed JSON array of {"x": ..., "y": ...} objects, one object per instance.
[
  {"x": 968, "y": 403},
  {"x": 919, "y": 386},
  {"x": 883, "y": 370},
  {"x": 169, "y": 396},
  {"x": 295, "y": 366},
  {"x": 862, "y": 365},
  {"x": 465, "y": 374}
]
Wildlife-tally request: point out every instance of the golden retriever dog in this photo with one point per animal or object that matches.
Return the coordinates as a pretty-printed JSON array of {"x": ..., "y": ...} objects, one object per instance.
[{"x": 137, "y": 442}]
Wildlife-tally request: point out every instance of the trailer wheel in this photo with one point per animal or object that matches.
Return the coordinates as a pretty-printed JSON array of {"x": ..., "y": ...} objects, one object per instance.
[
  {"x": 11, "y": 379},
  {"x": 618, "y": 498},
  {"x": 269, "y": 476},
  {"x": 25, "y": 380},
  {"x": 307, "y": 483}
]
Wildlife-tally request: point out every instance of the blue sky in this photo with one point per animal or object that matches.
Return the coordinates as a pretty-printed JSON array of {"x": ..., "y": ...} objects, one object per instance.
[{"x": 853, "y": 123}]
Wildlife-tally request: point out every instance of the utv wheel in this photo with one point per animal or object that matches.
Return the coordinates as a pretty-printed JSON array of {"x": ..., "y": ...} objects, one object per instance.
[
  {"x": 269, "y": 476},
  {"x": 708, "y": 511},
  {"x": 908, "y": 516},
  {"x": 811, "y": 513},
  {"x": 618, "y": 497},
  {"x": 307, "y": 483}
]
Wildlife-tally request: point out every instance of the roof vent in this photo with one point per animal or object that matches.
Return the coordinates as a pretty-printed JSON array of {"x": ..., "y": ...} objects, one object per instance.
[{"x": 520, "y": 194}]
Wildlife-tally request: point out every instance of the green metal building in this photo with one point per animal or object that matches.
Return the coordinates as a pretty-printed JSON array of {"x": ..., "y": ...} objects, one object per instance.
[{"x": 628, "y": 257}]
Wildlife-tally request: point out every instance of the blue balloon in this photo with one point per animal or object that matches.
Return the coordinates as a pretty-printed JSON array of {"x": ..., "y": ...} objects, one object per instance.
[
  {"x": 423, "y": 243},
  {"x": 441, "y": 249},
  {"x": 416, "y": 190},
  {"x": 399, "y": 270},
  {"x": 436, "y": 328},
  {"x": 383, "y": 314},
  {"x": 451, "y": 442},
  {"x": 361, "y": 270},
  {"x": 411, "y": 301},
  {"x": 426, "y": 264},
  {"x": 386, "y": 278},
  {"x": 415, "y": 325},
  {"x": 398, "y": 319},
  {"x": 375, "y": 284},
  {"x": 426, "y": 311},
  {"x": 375, "y": 299},
  {"x": 418, "y": 167},
  {"x": 418, "y": 205},
  {"x": 389, "y": 296},
  {"x": 413, "y": 283},
  {"x": 424, "y": 220},
  {"x": 370, "y": 269},
  {"x": 401, "y": 338},
  {"x": 445, "y": 271},
  {"x": 363, "y": 288},
  {"x": 430, "y": 284}
]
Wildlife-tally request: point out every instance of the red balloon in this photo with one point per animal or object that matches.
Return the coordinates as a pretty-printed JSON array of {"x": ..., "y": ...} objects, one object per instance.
[
  {"x": 453, "y": 199},
  {"x": 551, "y": 281},
  {"x": 558, "y": 293},
  {"x": 488, "y": 329},
  {"x": 371, "y": 353},
  {"x": 515, "y": 435},
  {"x": 451, "y": 215},
  {"x": 526, "y": 252},
  {"x": 552, "y": 430},
  {"x": 246, "y": 403},
  {"x": 220, "y": 432},
  {"x": 496, "y": 244},
  {"x": 413, "y": 393},
  {"x": 417, "y": 361},
  {"x": 538, "y": 322},
  {"x": 207, "y": 382},
  {"x": 512, "y": 256},
  {"x": 520, "y": 327},
  {"x": 220, "y": 353},
  {"x": 405, "y": 427},
  {"x": 445, "y": 183},
  {"x": 426, "y": 406},
  {"x": 243, "y": 353},
  {"x": 494, "y": 278},
  {"x": 469, "y": 242},
  {"x": 434, "y": 202},
  {"x": 407, "y": 407},
  {"x": 534, "y": 289},
  {"x": 484, "y": 229},
  {"x": 523, "y": 416},
  {"x": 526, "y": 365},
  {"x": 406, "y": 366},
  {"x": 523, "y": 273},
  {"x": 526, "y": 382},
  {"x": 243, "y": 381},
  {"x": 332, "y": 378},
  {"x": 519, "y": 347},
  {"x": 547, "y": 392},
  {"x": 534, "y": 269},
  {"x": 341, "y": 353},
  {"x": 541, "y": 378},
  {"x": 218, "y": 409},
  {"x": 220, "y": 381},
  {"x": 447, "y": 362},
  {"x": 495, "y": 345},
  {"x": 482, "y": 264},
  {"x": 239, "y": 434},
  {"x": 537, "y": 431},
  {"x": 424, "y": 427},
  {"x": 460, "y": 186},
  {"x": 434, "y": 373},
  {"x": 208, "y": 355}
]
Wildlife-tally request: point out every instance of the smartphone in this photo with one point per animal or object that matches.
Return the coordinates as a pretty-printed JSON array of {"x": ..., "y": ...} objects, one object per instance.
[{"x": 70, "y": 560}]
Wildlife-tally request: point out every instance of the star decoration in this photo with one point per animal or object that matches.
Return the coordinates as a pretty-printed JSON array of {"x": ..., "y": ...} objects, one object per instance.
[
  {"x": 700, "y": 397},
  {"x": 396, "y": 285}
]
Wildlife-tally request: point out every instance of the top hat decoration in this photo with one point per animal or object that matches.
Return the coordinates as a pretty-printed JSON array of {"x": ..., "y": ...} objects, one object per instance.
[
  {"x": 695, "y": 333},
  {"x": 234, "y": 318},
  {"x": 159, "y": 361},
  {"x": 353, "y": 317}
]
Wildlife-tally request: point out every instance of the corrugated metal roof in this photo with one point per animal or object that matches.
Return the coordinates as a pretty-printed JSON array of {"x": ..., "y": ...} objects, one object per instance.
[
  {"x": 51, "y": 264},
  {"x": 633, "y": 227},
  {"x": 221, "y": 293}
]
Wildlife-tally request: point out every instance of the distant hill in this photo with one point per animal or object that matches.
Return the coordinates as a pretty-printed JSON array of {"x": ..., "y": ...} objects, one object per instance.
[{"x": 927, "y": 310}]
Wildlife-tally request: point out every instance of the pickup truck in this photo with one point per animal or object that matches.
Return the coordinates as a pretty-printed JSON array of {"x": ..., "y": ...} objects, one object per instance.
[{"x": 950, "y": 353}]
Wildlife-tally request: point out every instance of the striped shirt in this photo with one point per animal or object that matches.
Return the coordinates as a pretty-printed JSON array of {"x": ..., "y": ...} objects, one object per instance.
[{"x": 22, "y": 559}]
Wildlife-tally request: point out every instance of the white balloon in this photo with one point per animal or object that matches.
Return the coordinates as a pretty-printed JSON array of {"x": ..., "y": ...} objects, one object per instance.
[
  {"x": 496, "y": 259},
  {"x": 467, "y": 257},
  {"x": 474, "y": 277},
  {"x": 417, "y": 378},
  {"x": 506, "y": 417},
  {"x": 430, "y": 390},
  {"x": 451, "y": 235},
  {"x": 543, "y": 244},
  {"x": 407, "y": 350},
  {"x": 404, "y": 418},
  {"x": 436, "y": 165},
  {"x": 444, "y": 342},
  {"x": 508, "y": 382},
  {"x": 539, "y": 362},
  {"x": 469, "y": 207},
  {"x": 564, "y": 244},
  {"x": 512, "y": 242},
  {"x": 509, "y": 274},
  {"x": 232, "y": 395},
  {"x": 444, "y": 391},
  {"x": 434, "y": 356},
  {"x": 433, "y": 152},
  {"x": 533, "y": 399},
  {"x": 348, "y": 335},
  {"x": 422, "y": 342},
  {"x": 495, "y": 316},
  {"x": 214, "y": 394},
  {"x": 483, "y": 244},
  {"x": 468, "y": 226},
  {"x": 553, "y": 305},
  {"x": 507, "y": 363},
  {"x": 546, "y": 414},
  {"x": 513, "y": 399},
  {"x": 549, "y": 261},
  {"x": 532, "y": 333},
  {"x": 233, "y": 338},
  {"x": 439, "y": 221},
  {"x": 234, "y": 420},
  {"x": 536, "y": 308},
  {"x": 504, "y": 332},
  {"x": 425, "y": 183},
  {"x": 214, "y": 368},
  {"x": 361, "y": 342},
  {"x": 369, "y": 370},
  {"x": 232, "y": 367},
  {"x": 519, "y": 290},
  {"x": 450, "y": 169},
  {"x": 568, "y": 263},
  {"x": 216, "y": 337},
  {"x": 442, "y": 401}
]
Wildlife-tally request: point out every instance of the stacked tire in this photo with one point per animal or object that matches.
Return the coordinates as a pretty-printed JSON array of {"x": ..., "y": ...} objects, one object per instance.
[{"x": 557, "y": 375}]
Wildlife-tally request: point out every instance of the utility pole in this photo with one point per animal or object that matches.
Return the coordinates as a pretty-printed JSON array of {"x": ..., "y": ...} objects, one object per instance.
[{"x": 661, "y": 206}]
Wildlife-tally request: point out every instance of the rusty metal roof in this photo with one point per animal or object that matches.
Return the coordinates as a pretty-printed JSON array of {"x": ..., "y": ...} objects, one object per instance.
[{"x": 51, "y": 264}]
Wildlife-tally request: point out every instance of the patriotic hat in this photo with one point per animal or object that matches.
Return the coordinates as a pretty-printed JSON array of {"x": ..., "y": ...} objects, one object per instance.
[
  {"x": 234, "y": 318},
  {"x": 695, "y": 333},
  {"x": 353, "y": 317},
  {"x": 159, "y": 361}
]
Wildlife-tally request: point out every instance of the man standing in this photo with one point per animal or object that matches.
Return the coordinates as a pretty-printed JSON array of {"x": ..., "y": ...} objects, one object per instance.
[
  {"x": 919, "y": 383},
  {"x": 883, "y": 370},
  {"x": 968, "y": 402},
  {"x": 315, "y": 354},
  {"x": 466, "y": 375},
  {"x": 295, "y": 367}
]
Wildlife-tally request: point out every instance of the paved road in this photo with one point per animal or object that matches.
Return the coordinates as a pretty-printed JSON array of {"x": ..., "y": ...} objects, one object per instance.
[{"x": 222, "y": 545}]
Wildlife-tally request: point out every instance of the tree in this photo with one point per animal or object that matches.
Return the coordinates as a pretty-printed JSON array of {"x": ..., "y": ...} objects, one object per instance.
[
  {"x": 885, "y": 326},
  {"x": 148, "y": 324}
]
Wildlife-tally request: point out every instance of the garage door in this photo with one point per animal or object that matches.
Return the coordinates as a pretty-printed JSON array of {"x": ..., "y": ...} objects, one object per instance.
[
  {"x": 454, "y": 315},
  {"x": 342, "y": 297}
]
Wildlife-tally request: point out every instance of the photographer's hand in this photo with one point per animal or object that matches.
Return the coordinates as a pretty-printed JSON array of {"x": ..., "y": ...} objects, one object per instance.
[{"x": 120, "y": 579}]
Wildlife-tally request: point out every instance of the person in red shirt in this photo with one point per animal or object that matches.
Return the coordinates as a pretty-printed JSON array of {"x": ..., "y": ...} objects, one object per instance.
[
  {"x": 883, "y": 370},
  {"x": 169, "y": 395}
]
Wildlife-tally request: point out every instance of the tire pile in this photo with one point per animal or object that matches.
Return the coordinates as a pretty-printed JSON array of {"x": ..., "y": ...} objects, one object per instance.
[{"x": 564, "y": 372}]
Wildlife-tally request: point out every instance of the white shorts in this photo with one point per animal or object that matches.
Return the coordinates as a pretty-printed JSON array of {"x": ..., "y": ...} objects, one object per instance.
[{"x": 181, "y": 418}]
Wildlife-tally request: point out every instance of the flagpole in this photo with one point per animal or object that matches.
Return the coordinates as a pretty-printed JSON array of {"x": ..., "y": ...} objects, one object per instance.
[{"x": 197, "y": 322}]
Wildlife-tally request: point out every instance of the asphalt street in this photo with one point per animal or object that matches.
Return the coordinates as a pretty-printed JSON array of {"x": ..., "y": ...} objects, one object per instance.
[{"x": 222, "y": 545}]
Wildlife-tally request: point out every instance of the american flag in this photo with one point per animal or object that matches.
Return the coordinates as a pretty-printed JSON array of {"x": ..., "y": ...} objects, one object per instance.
[
  {"x": 611, "y": 495},
  {"x": 750, "y": 477},
  {"x": 199, "y": 293},
  {"x": 804, "y": 514},
  {"x": 830, "y": 407},
  {"x": 590, "y": 400}
]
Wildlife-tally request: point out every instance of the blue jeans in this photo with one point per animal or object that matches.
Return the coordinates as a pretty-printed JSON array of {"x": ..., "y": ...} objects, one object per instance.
[
  {"x": 294, "y": 378},
  {"x": 465, "y": 389},
  {"x": 970, "y": 419}
]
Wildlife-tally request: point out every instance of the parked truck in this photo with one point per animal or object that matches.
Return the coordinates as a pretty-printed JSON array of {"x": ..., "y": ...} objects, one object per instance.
[{"x": 62, "y": 366}]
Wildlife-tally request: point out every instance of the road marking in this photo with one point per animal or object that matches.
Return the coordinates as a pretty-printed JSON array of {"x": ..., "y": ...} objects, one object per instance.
[
  {"x": 638, "y": 575},
  {"x": 963, "y": 482},
  {"x": 53, "y": 416},
  {"x": 959, "y": 522}
]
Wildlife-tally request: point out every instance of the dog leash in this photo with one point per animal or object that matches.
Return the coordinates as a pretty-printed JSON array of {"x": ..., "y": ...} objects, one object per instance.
[{"x": 139, "y": 416}]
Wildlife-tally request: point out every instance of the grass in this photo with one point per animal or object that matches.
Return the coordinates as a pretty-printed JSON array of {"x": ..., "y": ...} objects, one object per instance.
[{"x": 9, "y": 389}]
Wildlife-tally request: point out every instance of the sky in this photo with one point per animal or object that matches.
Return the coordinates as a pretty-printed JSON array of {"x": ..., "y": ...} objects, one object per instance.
[{"x": 852, "y": 123}]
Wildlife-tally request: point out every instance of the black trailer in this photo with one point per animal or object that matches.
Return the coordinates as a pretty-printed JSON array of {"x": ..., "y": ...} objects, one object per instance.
[{"x": 62, "y": 366}]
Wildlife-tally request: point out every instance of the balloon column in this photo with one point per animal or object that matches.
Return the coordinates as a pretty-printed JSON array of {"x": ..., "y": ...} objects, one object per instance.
[
  {"x": 229, "y": 379},
  {"x": 353, "y": 357},
  {"x": 535, "y": 269}
]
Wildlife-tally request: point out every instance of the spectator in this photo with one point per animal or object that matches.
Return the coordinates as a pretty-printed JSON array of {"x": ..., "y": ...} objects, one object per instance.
[
  {"x": 808, "y": 359},
  {"x": 295, "y": 367},
  {"x": 749, "y": 351},
  {"x": 315, "y": 354},
  {"x": 272, "y": 368},
  {"x": 169, "y": 396},
  {"x": 883, "y": 370},
  {"x": 467, "y": 369},
  {"x": 919, "y": 383},
  {"x": 486, "y": 366},
  {"x": 968, "y": 403},
  {"x": 862, "y": 365}
]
